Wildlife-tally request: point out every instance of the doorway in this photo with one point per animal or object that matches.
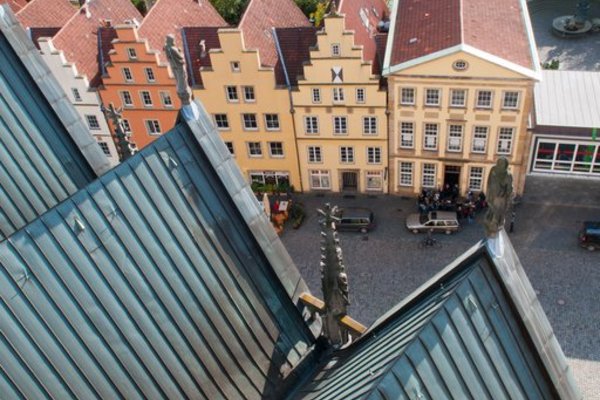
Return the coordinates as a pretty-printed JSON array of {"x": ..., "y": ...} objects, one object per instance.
[
  {"x": 349, "y": 181},
  {"x": 451, "y": 176}
]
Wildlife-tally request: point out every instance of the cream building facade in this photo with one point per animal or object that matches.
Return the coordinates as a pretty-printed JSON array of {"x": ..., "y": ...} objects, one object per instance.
[{"x": 340, "y": 116}]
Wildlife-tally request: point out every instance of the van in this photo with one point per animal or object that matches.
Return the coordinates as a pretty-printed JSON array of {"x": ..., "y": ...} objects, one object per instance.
[
  {"x": 355, "y": 219},
  {"x": 589, "y": 235}
]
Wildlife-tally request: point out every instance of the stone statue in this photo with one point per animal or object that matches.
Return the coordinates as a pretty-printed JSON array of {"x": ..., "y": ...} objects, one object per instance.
[
  {"x": 177, "y": 63},
  {"x": 125, "y": 146},
  {"x": 333, "y": 278},
  {"x": 499, "y": 195}
]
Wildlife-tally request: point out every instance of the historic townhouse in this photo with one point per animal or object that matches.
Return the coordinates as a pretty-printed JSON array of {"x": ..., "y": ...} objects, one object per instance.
[
  {"x": 460, "y": 78},
  {"x": 339, "y": 103},
  {"x": 73, "y": 57},
  {"x": 137, "y": 77},
  {"x": 242, "y": 84}
]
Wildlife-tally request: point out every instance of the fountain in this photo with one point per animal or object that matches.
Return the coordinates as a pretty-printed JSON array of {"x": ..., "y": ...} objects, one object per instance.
[{"x": 574, "y": 25}]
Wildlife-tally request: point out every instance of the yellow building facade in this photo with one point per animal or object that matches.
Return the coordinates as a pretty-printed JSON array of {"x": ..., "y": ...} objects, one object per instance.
[
  {"x": 340, "y": 116},
  {"x": 451, "y": 119},
  {"x": 251, "y": 111}
]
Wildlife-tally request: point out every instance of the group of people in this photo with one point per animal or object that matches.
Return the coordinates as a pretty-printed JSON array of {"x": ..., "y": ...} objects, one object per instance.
[{"x": 447, "y": 199}]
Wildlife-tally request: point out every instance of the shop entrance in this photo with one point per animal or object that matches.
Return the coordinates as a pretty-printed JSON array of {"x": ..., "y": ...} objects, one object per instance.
[
  {"x": 349, "y": 181},
  {"x": 451, "y": 176}
]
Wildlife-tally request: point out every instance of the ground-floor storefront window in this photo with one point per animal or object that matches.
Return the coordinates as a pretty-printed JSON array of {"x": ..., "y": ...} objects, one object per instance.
[
  {"x": 319, "y": 179},
  {"x": 270, "y": 177},
  {"x": 374, "y": 180},
  {"x": 564, "y": 156}
]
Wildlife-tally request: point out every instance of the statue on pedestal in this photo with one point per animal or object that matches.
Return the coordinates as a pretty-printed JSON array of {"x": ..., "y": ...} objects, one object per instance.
[
  {"x": 499, "y": 196},
  {"x": 177, "y": 63},
  {"x": 125, "y": 147}
]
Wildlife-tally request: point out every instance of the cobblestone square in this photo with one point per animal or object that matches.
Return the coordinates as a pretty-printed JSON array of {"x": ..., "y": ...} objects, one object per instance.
[{"x": 388, "y": 264}]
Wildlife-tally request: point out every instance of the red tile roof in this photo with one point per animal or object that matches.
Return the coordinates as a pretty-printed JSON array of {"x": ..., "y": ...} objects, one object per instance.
[
  {"x": 78, "y": 39},
  {"x": 363, "y": 16},
  {"x": 295, "y": 44},
  {"x": 169, "y": 16},
  {"x": 259, "y": 19},
  {"x": 37, "y": 33},
  {"x": 197, "y": 56},
  {"x": 15, "y": 5},
  {"x": 46, "y": 13},
  {"x": 425, "y": 27}
]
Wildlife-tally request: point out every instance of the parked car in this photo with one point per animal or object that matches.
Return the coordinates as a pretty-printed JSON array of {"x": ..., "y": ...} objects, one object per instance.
[
  {"x": 436, "y": 221},
  {"x": 589, "y": 235},
  {"x": 355, "y": 219}
]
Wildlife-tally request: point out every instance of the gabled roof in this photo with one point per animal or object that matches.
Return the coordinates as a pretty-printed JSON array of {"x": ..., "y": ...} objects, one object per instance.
[
  {"x": 46, "y": 13},
  {"x": 294, "y": 50},
  {"x": 197, "y": 55},
  {"x": 15, "y": 5},
  {"x": 46, "y": 151},
  {"x": 497, "y": 30},
  {"x": 476, "y": 330},
  {"x": 170, "y": 16},
  {"x": 363, "y": 17},
  {"x": 260, "y": 17},
  {"x": 78, "y": 39},
  {"x": 105, "y": 37}
]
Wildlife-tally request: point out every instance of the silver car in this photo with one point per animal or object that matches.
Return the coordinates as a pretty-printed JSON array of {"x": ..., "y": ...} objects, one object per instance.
[{"x": 436, "y": 221}]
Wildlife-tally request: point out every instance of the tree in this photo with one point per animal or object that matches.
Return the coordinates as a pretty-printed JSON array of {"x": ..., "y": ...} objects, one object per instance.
[{"x": 230, "y": 10}]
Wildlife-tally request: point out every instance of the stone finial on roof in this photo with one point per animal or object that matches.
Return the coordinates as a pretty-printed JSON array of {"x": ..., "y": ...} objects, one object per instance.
[
  {"x": 333, "y": 278},
  {"x": 499, "y": 196},
  {"x": 177, "y": 63}
]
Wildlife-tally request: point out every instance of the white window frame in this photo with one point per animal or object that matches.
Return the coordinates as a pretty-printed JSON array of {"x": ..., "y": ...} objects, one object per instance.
[
  {"x": 267, "y": 122},
  {"x": 219, "y": 120},
  {"x": 428, "y": 134},
  {"x": 149, "y": 73},
  {"x": 235, "y": 66},
  {"x": 455, "y": 138},
  {"x": 456, "y": 100},
  {"x": 274, "y": 144},
  {"x": 405, "y": 173},
  {"x": 127, "y": 74},
  {"x": 374, "y": 155},
  {"x": 152, "y": 127},
  {"x": 361, "y": 95},
  {"x": 231, "y": 94},
  {"x": 165, "y": 99},
  {"x": 92, "y": 122},
  {"x": 476, "y": 175},
  {"x": 76, "y": 95},
  {"x": 338, "y": 94},
  {"x": 131, "y": 53},
  {"x": 506, "y": 136},
  {"x": 407, "y": 135},
  {"x": 346, "y": 154},
  {"x": 340, "y": 125},
  {"x": 324, "y": 180},
  {"x": 506, "y": 97},
  {"x": 249, "y": 94},
  {"x": 146, "y": 98},
  {"x": 126, "y": 125},
  {"x": 336, "y": 50},
  {"x": 251, "y": 116},
  {"x": 230, "y": 147},
  {"x": 427, "y": 97},
  {"x": 484, "y": 105},
  {"x": 315, "y": 154},
  {"x": 311, "y": 125},
  {"x": 428, "y": 175},
  {"x": 250, "y": 146},
  {"x": 404, "y": 100},
  {"x": 372, "y": 177},
  {"x": 126, "y": 95},
  {"x": 316, "y": 95},
  {"x": 369, "y": 125},
  {"x": 105, "y": 149},
  {"x": 480, "y": 133}
]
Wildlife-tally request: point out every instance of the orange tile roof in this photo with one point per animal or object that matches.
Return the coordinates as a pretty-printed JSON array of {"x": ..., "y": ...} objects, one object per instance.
[
  {"x": 262, "y": 15},
  {"x": 78, "y": 39},
  {"x": 363, "y": 16},
  {"x": 15, "y": 5},
  {"x": 45, "y": 13},
  {"x": 496, "y": 27},
  {"x": 169, "y": 16}
]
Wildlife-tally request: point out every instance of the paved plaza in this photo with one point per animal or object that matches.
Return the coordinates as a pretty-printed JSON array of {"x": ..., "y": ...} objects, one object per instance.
[
  {"x": 390, "y": 265},
  {"x": 579, "y": 54}
]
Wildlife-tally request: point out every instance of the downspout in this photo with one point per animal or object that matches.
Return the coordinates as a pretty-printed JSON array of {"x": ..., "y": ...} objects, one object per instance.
[{"x": 292, "y": 111}]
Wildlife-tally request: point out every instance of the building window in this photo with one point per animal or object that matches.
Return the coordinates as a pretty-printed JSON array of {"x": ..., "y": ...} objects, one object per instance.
[
  {"x": 510, "y": 100},
  {"x": 476, "y": 179},
  {"x": 338, "y": 95},
  {"x": 316, "y": 95},
  {"x": 92, "y": 122},
  {"x": 432, "y": 97},
  {"x": 407, "y": 96},
  {"x": 146, "y": 98},
  {"x": 319, "y": 179},
  {"x": 407, "y": 135},
  {"x": 430, "y": 138},
  {"x": 276, "y": 149},
  {"x": 428, "y": 176},
  {"x": 235, "y": 66},
  {"x": 250, "y": 123},
  {"x": 311, "y": 125},
  {"x": 460, "y": 65},
  {"x": 314, "y": 154},
  {"x": 374, "y": 155},
  {"x": 254, "y": 149},
  {"x": 346, "y": 154},
  {"x": 480, "y": 135},
  {"x": 484, "y": 99},
  {"x": 458, "y": 98},
  {"x": 149, "y": 72},
  {"x": 126, "y": 126},
  {"x": 272, "y": 122},
  {"x": 127, "y": 74},
  {"x": 131, "y": 53},
  {"x": 340, "y": 125},
  {"x": 505, "y": 139},
  {"x": 230, "y": 147},
  {"x": 270, "y": 177},
  {"x": 335, "y": 50},
  {"x": 360, "y": 95},
  {"x": 221, "y": 121},
  {"x": 455, "y": 136},
  {"x": 231, "y": 94},
  {"x": 153, "y": 127},
  {"x": 126, "y": 99},
  {"x": 249, "y": 94},
  {"x": 374, "y": 180},
  {"x": 76, "y": 94},
  {"x": 165, "y": 99},
  {"x": 369, "y": 125},
  {"x": 406, "y": 174},
  {"x": 105, "y": 149}
]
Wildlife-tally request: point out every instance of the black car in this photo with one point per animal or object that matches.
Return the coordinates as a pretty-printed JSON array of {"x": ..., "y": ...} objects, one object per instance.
[
  {"x": 355, "y": 219},
  {"x": 589, "y": 236}
]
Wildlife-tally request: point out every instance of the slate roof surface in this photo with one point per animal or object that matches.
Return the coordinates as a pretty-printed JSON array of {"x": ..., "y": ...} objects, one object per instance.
[
  {"x": 196, "y": 56},
  {"x": 362, "y": 16},
  {"x": 496, "y": 27},
  {"x": 170, "y": 16},
  {"x": 460, "y": 338},
  {"x": 46, "y": 13},
  {"x": 78, "y": 39},
  {"x": 295, "y": 44},
  {"x": 259, "y": 19},
  {"x": 37, "y": 33}
]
